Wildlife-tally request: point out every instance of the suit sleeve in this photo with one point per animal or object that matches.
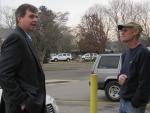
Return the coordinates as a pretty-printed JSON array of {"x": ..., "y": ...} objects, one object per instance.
[
  {"x": 142, "y": 93},
  {"x": 11, "y": 57}
]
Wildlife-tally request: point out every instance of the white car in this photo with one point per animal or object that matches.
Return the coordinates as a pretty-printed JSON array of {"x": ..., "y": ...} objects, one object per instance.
[
  {"x": 61, "y": 57},
  {"x": 50, "y": 104},
  {"x": 89, "y": 56}
]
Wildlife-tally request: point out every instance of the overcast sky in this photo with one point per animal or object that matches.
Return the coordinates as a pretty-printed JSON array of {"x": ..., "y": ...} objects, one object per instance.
[{"x": 76, "y": 8}]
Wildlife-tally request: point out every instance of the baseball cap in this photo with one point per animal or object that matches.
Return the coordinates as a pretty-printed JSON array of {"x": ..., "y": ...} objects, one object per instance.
[{"x": 130, "y": 25}]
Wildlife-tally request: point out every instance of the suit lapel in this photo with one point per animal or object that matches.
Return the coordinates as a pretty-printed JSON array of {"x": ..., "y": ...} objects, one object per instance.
[
  {"x": 33, "y": 52},
  {"x": 29, "y": 45}
]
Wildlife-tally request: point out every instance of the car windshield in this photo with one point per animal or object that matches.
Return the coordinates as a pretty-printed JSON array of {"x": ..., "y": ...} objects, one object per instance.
[{"x": 107, "y": 62}]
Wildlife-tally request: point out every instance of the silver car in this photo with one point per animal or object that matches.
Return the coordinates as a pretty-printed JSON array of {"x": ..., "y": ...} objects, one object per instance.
[
  {"x": 50, "y": 104},
  {"x": 107, "y": 67}
]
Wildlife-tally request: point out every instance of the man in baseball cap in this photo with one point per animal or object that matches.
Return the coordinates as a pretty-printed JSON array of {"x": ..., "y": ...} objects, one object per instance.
[
  {"x": 134, "y": 77},
  {"x": 126, "y": 31}
]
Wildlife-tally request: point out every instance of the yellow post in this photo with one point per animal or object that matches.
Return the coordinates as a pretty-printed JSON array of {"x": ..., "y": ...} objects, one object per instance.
[{"x": 93, "y": 93}]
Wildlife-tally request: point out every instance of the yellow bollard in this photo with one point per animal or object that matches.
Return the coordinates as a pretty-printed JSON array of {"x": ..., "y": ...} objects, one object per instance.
[{"x": 93, "y": 93}]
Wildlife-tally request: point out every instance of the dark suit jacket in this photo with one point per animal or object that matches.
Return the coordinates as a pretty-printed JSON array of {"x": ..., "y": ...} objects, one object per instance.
[{"x": 21, "y": 75}]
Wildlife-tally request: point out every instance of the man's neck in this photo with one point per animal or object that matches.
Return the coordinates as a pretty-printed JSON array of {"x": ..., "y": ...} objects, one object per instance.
[
  {"x": 25, "y": 30},
  {"x": 133, "y": 44}
]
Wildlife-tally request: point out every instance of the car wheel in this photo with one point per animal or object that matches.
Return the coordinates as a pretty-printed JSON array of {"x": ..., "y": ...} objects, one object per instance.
[
  {"x": 112, "y": 90},
  {"x": 68, "y": 59},
  {"x": 55, "y": 59},
  {"x": 50, "y": 108}
]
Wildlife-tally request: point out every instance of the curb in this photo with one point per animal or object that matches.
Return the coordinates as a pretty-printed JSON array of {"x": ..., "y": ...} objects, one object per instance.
[
  {"x": 82, "y": 102},
  {"x": 55, "y": 81}
]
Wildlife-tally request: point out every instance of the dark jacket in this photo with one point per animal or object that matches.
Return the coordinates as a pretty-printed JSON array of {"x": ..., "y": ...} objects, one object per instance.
[
  {"x": 21, "y": 75},
  {"x": 136, "y": 65}
]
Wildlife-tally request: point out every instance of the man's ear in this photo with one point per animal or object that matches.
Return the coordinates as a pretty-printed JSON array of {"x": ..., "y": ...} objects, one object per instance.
[
  {"x": 136, "y": 31},
  {"x": 18, "y": 19}
]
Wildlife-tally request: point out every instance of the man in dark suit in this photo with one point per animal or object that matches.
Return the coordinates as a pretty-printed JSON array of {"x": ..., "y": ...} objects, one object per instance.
[{"x": 21, "y": 75}]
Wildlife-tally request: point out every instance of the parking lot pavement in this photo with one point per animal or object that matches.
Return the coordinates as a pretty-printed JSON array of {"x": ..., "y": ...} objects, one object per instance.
[
  {"x": 83, "y": 107},
  {"x": 73, "y": 97}
]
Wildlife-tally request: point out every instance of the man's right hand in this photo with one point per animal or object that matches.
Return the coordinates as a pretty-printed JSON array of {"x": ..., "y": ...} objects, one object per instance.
[
  {"x": 23, "y": 106},
  {"x": 122, "y": 79}
]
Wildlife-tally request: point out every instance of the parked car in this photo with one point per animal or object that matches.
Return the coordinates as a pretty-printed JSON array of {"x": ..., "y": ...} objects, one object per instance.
[
  {"x": 61, "y": 57},
  {"x": 50, "y": 103},
  {"x": 89, "y": 56},
  {"x": 107, "y": 67},
  {"x": 109, "y": 51}
]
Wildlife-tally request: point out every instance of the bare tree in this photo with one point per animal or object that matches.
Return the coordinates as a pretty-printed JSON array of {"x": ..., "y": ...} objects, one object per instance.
[
  {"x": 49, "y": 32},
  {"x": 65, "y": 44},
  {"x": 101, "y": 11},
  {"x": 91, "y": 31},
  {"x": 123, "y": 11},
  {"x": 144, "y": 17},
  {"x": 9, "y": 17}
]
